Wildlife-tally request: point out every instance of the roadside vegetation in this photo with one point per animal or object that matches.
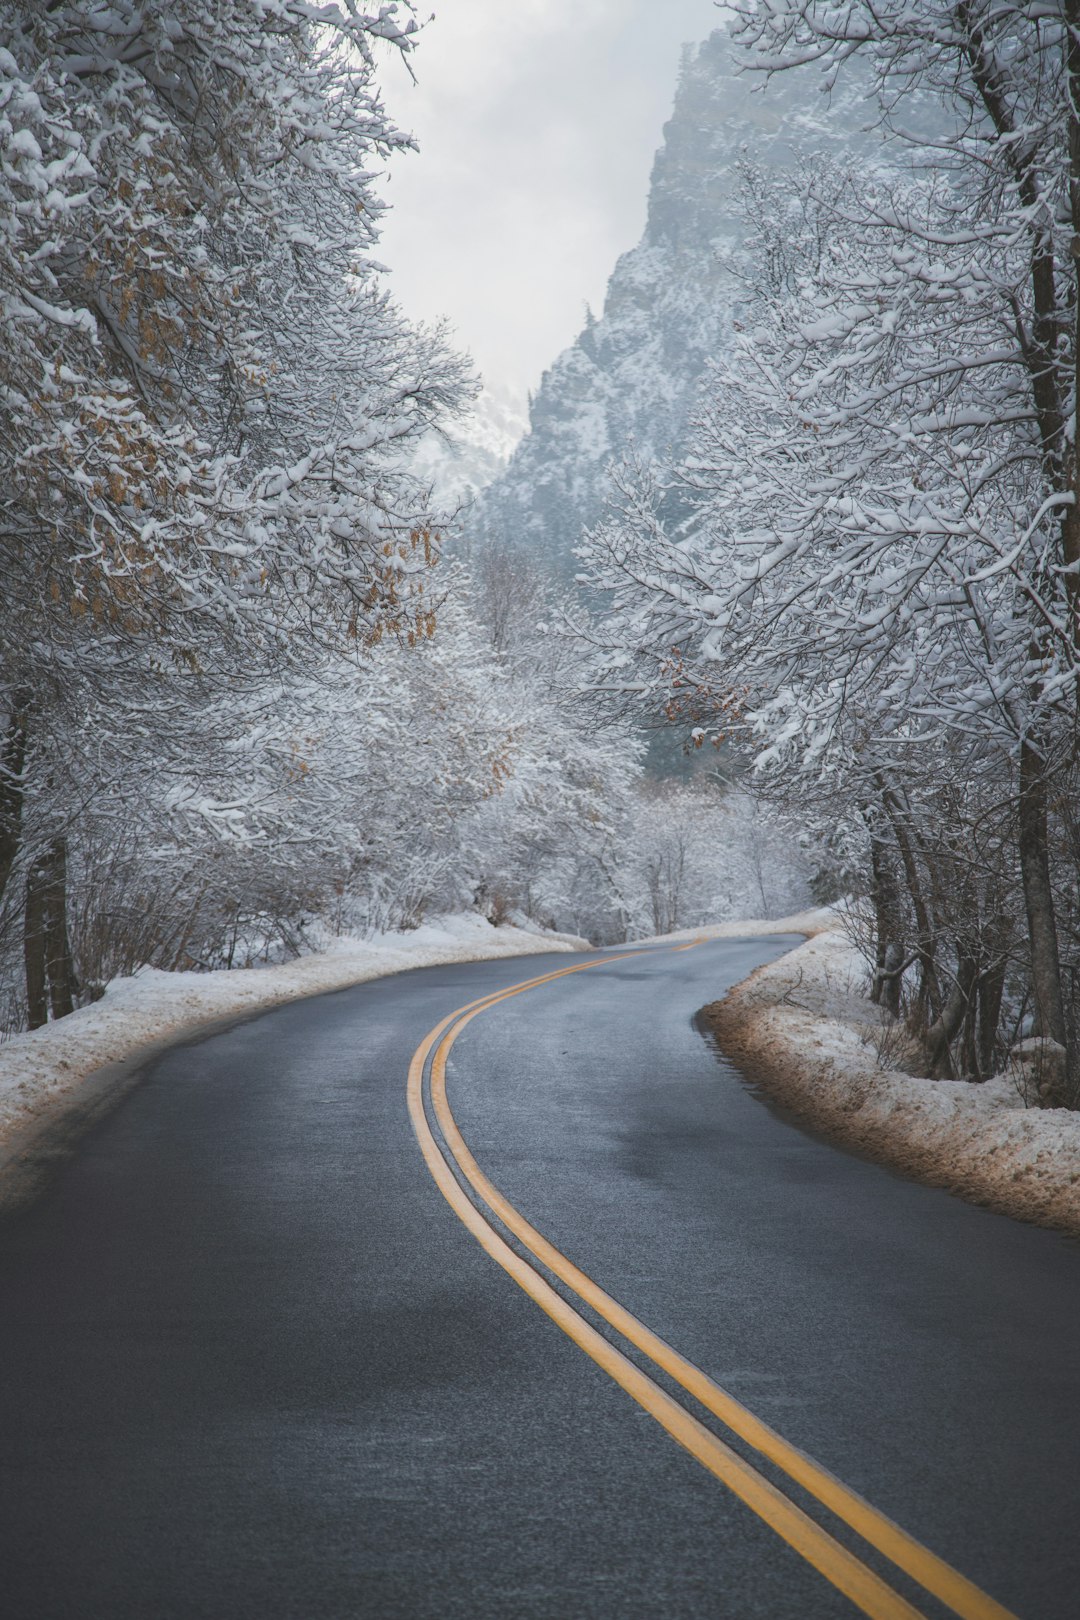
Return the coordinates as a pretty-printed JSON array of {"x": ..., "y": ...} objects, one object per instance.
[
  {"x": 251, "y": 697},
  {"x": 877, "y": 595}
]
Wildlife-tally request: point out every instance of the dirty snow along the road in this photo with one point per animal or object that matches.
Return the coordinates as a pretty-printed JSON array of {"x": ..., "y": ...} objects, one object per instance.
[
  {"x": 803, "y": 1023},
  {"x": 805, "y": 1029},
  {"x": 40, "y": 1071}
]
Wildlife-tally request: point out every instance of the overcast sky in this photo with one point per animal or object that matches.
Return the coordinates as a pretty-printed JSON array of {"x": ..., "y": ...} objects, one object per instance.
[{"x": 537, "y": 122}]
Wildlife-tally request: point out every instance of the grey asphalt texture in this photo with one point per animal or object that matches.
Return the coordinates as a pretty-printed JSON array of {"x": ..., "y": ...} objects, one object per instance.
[{"x": 254, "y": 1366}]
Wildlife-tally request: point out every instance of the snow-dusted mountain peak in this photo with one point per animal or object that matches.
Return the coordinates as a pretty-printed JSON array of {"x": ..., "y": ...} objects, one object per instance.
[
  {"x": 475, "y": 451},
  {"x": 631, "y": 378}
]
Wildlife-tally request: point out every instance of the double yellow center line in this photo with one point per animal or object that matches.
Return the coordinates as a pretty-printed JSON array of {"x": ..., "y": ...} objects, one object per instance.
[{"x": 849, "y": 1574}]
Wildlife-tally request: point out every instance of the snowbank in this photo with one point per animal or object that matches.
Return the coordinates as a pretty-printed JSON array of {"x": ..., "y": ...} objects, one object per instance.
[
  {"x": 803, "y": 1028},
  {"x": 800, "y": 922},
  {"x": 41, "y": 1072}
]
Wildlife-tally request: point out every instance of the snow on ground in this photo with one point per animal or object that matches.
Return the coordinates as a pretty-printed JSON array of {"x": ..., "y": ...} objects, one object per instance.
[
  {"x": 802, "y": 1025},
  {"x": 800, "y": 922},
  {"x": 805, "y": 1030},
  {"x": 40, "y": 1072}
]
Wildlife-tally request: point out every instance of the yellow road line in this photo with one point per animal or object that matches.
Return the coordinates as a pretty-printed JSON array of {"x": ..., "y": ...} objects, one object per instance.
[
  {"x": 865, "y": 1589},
  {"x": 936, "y": 1576}
]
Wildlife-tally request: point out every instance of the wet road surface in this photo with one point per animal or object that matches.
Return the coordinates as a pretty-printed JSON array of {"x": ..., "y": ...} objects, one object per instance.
[{"x": 254, "y": 1365}]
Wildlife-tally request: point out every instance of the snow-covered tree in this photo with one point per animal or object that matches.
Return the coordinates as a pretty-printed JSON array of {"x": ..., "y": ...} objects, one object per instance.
[
  {"x": 582, "y": 836},
  {"x": 882, "y": 587},
  {"x": 207, "y": 397}
]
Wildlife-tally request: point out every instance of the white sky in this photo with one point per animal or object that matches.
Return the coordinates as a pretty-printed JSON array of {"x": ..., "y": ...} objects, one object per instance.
[{"x": 537, "y": 122}]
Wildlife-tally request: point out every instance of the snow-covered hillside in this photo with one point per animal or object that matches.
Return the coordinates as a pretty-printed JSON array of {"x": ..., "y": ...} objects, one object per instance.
[
  {"x": 630, "y": 380},
  {"x": 471, "y": 453}
]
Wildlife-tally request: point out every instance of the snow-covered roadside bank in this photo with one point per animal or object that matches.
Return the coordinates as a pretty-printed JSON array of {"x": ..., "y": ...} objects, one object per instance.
[
  {"x": 42, "y": 1072},
  {"x": 803, "y": 1029},
  {"x": 815, "y": 921}
]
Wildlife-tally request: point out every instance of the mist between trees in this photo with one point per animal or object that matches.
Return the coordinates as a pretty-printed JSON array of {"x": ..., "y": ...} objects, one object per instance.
[
  {"x": 877, "y": 590},
  {"x": 244, "y": 704}
]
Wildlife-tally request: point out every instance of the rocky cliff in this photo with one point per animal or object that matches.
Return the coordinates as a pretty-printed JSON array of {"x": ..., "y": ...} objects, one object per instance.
[{"x": 631, "y": 378}]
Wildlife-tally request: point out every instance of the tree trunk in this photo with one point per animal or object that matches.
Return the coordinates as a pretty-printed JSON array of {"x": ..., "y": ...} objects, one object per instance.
[
  {"x": 888, "y": 949},
  {"x": 991, "y": 992},
  {"x": 59, "y": 967},
  {"x": 991, "y": 995},
  {"x": 946, "y": 1027},
  {"x": 888, "y": 981},
  {"x": 37, "y": 1002},
  {"x": 12, "y": 790},
  {"x": 929, "y": 998},
  {"x": 1039, "y": 898},
  {"x": 1070, "y": 525}
]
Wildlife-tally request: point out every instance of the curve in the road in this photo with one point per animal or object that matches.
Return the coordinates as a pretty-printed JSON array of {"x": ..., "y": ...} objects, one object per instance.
[{"x": 862, "y": 1585}]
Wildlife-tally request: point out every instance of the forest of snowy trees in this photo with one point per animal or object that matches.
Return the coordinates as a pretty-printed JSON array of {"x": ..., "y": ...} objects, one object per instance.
[
  {"x": 877, "y": 592},
  {"x": 250, "y": 691},
  {"x": 257, "y": 687}
]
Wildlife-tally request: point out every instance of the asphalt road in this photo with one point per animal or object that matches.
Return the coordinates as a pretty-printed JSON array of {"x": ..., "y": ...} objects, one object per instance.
[{"x": 253, "y": 1364}]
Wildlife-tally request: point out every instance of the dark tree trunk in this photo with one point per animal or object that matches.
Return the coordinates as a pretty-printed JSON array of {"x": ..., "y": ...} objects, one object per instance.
[
  {"x": 12, "y": 788},
  {"x": 1039, "y": 896},
  {"x": 63, "y": 986},
  {"x": 991, "y": 995},
  {"x": 50, "y": 971},
  {"x": 889, "y": 979},
  {"x": 1070, "y": 524},
  {"x": 972, "y": 975},
  {"x": 946, "y": 1027},
  {"x": 929, "y": 997},
  {"x": 37, "y": 1001},
  {"x": 889, "y": 952}
]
